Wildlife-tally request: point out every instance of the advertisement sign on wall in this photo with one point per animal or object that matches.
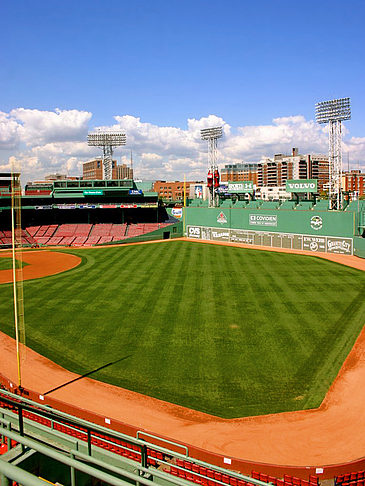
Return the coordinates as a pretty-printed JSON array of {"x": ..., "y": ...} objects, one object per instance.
[
  {"x": 301, "y": 185},
  {"x": 240, "y": 187},
  {"x": 263, "y": 219},
  {"x": 177, "y": 212},
  {"x": 339, "y": 245},
  {"x": 199, "y": 192},
  {"x": 194, "y": 232},
  {"x": 312, "y": 243}
]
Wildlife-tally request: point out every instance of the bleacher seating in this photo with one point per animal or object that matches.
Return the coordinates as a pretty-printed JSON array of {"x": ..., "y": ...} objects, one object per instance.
[
  {"x": 6, "y": 241},
  {"x": 183, "y": 468},
  {"x": 356, "y": 478},
  {"x": 67, "y": 240},
  {"x": 79, "y": 241},
  {"x": 42, "y": 240},
  {"x": 32, "y": 230},
  {"x": 92, "y": 240},
  {"x": 80, "y": 234},
  {"x": 287, "y": 480},
  {"x": 55, "y": 240}
]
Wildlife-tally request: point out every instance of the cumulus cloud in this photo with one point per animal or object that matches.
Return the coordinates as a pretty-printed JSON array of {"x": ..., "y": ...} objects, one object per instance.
[
  {"x": 9, "y": 131},
  {"x": 55, "y": 141},
  {"x": 36, "y": 126}
]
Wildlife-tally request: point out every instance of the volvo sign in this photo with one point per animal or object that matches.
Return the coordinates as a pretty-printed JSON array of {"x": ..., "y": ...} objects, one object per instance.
[{"x": 301, "y": 185}]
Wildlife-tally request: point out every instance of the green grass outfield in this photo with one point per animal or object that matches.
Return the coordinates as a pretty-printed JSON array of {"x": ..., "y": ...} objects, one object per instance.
[{"x": 228, "y": 331}]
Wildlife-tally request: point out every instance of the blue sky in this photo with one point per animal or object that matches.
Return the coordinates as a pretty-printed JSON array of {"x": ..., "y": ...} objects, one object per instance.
[{"x": 168, "y": 61}]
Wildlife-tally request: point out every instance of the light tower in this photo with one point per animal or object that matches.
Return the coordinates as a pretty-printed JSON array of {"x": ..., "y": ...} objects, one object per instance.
[
  {"x": 334, "y": 112},
  {"x": 212, "y": 135},
  {"x": 106, "y": 140}
]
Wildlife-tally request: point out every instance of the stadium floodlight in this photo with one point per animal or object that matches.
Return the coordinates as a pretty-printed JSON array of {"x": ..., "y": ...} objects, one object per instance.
[
  {"x": 212, "y": 135},
  {"x": 334, "y": 112},
  {"x": 107, "y": 140},
  {"x": 209, "y": 133}
]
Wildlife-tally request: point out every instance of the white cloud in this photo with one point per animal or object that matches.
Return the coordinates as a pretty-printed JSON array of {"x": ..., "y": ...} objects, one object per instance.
[
  {"x": 38, "y": 126},
  {"x": 9, "y": 131},
  {"x": 55, "y": 141}
]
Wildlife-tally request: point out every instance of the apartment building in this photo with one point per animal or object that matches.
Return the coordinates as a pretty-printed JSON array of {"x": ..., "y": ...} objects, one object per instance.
[
  {"x": 354, "y": 182},
  {"x": 93, "y": 169},
  {"x": 171, "y": 190},
  {"x": 239, "y": 172},
  {"x": 124, "y": 172},
  {"x": 276, "y": 171}
]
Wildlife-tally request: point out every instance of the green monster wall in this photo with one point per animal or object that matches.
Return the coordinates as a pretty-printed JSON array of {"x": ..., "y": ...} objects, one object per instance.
[{"x": 323, "y": 231}]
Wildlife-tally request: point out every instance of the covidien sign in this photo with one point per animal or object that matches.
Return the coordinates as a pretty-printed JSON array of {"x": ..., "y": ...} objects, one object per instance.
[{"x": 301, "y": 185}]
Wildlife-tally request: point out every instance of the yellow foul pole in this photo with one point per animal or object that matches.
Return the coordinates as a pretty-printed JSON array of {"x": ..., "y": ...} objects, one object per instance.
[
  {"x": 13, "y": 224},
  {"x": 184, "y": 224}
]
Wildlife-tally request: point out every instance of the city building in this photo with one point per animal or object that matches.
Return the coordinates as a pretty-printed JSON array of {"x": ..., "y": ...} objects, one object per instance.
[
  {"x": 239, "y": 172},
  {"x": 275, "y": 193},
  {"x": 124, "y": 172},
  {"x": 93, "y": 169},
  {"x": 354, "y": 182},
  {"x": 276, "y": 171},
  {"x": 171, "y": 190}
]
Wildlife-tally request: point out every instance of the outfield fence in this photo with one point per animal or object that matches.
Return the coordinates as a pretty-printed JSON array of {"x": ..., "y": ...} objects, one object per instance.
[{"x": 292, "y": 241}]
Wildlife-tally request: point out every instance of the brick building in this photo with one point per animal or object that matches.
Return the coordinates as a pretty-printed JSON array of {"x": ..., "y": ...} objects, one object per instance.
[
  {"x": 124, "y": 172},
  {"x": 93, "y": 169},
  {"x": 276, "y": 171},
  {"x": 354, "y": 182},
  {"x": 171, "y": 190},
  {"x": 239, "y": 172}
]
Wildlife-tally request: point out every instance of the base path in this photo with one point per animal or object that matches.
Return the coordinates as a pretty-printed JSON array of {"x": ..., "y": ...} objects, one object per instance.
[{"x": 329, "y": 435}]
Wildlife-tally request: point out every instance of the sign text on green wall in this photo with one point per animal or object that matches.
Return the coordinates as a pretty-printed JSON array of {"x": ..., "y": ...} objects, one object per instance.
[
  {"x": 301, "y": 185},
  {"x": 243, "y": 186}
]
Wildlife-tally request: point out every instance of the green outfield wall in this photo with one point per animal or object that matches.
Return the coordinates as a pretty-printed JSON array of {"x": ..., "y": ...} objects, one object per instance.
[
  {"x": 359, "y": 247},
  {"x": 317, "y": 231}
]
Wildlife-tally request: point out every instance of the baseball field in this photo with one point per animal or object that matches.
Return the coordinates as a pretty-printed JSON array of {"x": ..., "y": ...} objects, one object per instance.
[{"x": 229, "y": 331}]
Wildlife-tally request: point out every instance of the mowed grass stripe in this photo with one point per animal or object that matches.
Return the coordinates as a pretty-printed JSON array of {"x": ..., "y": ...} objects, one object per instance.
[{"x": 228, "y": 331}]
